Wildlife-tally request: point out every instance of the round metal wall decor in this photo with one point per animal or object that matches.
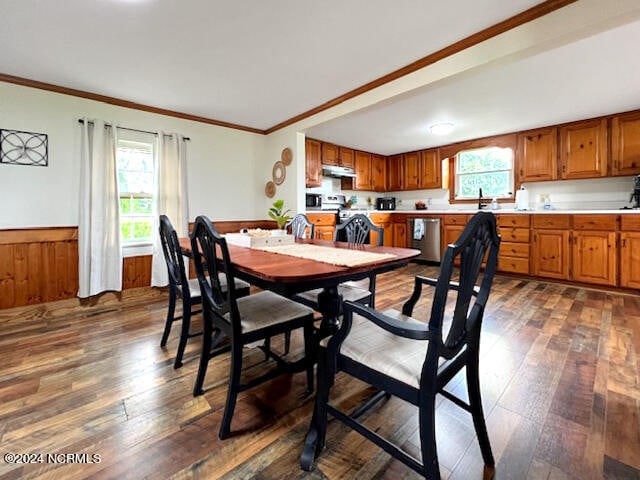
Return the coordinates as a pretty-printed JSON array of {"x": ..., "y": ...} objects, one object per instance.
[
  {"x": 286, "y": 156},
  {"x": 270, "y": 189},
  {"x": 279, "y": 173}
]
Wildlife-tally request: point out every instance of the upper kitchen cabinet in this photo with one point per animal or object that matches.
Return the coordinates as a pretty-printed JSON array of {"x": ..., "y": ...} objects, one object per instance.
[
  {"x": 379, "y": 173},
  {"x": 625, "y": 144},
  {"x": 537, "y": 155},
  {"x": 395, "y": 173},
  {"x": 430, "y": 169},
  {"x": 364, "y": 178},
  {"x": 346, "y": 158},
  {"x": 313, "y": 165},
  {"x": 583, "y": 149},
  {"x": 330, "y": 154},
  {"x": 411, "y": 171}
]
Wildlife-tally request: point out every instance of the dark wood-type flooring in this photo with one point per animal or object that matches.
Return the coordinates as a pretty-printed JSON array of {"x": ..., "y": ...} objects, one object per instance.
[{"x": 560, "y": 373}]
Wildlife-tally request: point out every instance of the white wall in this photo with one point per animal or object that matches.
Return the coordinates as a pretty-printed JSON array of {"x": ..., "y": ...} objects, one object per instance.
[{"x": 225, "y": 165}]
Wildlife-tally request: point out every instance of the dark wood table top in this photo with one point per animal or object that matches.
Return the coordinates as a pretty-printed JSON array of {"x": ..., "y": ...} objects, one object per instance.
[{"x": 288, "y": 275}]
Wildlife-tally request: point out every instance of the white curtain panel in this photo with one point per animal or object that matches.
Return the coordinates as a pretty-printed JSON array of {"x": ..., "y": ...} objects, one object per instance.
[
  {"x": 99, "y": 242},
  {"x": 172, "y": 198}
]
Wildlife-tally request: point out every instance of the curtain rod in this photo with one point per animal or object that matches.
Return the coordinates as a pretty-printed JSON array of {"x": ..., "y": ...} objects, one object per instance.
[{"x": 80, "y": 120}]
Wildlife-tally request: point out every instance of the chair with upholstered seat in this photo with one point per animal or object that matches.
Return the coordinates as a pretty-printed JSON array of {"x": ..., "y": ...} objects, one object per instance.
[
  {"x": 180, "y": 286},
  {"x": 357, "y": 230},
  {"x": 411, "y": 359},
  {"x": 299, "y": 225},
  {"x": 243, "y": 321}
]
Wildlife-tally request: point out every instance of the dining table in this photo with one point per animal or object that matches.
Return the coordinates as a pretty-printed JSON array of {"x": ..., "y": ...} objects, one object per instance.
[{"x": 273, "y": 269}]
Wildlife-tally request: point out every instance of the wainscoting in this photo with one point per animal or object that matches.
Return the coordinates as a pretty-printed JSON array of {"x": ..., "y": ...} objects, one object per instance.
[{"x": 39, "y": 265}]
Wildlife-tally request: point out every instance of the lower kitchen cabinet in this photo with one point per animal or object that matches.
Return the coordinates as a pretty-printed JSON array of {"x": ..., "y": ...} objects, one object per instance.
[
  {"x": 514, "y": 247},
  {"x": 594, "y": 257},
  {"x": 630, "y": 251},
  {"x": 382, "y": 220},
  {"x": 324, "y": 225},
  {"x": 400, "y": 234},
  {"x": 325, "y": 233},
  {"x": 550, "y": 246}
]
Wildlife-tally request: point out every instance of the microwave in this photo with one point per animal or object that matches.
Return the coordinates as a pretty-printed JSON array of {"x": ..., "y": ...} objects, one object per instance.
[
  {"x": 386, "y": 203},
  {"x": 313, "y": 200}
]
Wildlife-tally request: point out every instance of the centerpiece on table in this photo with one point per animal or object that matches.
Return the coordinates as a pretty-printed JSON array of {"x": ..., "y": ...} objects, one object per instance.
[
  {"x": 281, "y": 216},
  {"x": 256, "y": 237}
]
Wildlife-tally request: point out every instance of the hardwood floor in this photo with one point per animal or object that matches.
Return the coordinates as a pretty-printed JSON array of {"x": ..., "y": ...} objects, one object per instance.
[{"x": 560, "y": 373}]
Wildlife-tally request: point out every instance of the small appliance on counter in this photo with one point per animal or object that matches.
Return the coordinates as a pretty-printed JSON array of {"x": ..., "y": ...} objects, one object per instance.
[
  {"x": 386, "y": 203},
  {"x": 333, "y": 202},
  {"x": 522, "y": 199},
  {"x": 313, "y": 200},
  {"x": 635, "y": 195}
]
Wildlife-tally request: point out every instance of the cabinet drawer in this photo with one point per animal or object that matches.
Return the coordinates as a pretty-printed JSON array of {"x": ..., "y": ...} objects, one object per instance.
[
  {"x": 512, "y": 249},
  {"x": 554, "y": 222},
  {"x": 513, "y": 264},
  {"x": 518, "y": 235},
  {"x": 328, "y": 219},
  {"x": 630, "y": 222},
  {"x": 456, "y": 219},
  {"x": 518, "y": 220},
  {"x": 380, "y": 217},
  {"x": 595, "y": 222}
]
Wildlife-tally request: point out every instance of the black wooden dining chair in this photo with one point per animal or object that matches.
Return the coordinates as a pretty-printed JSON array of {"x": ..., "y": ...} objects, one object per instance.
[
  {"x": 299, "y": 225},
  {"x": 410, "y": 359},
  {"x": 180, "y": 286},
  {"x": 243, "y": 321},
  {"x": 356, "y": 230}
]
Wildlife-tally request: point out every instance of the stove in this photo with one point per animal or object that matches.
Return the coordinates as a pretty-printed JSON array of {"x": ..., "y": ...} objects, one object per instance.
[
  {"x": 345, "y": 214},
  {"x": 333, "y": 202}
]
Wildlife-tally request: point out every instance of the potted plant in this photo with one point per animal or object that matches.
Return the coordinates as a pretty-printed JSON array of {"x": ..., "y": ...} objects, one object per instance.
[{"x": 276, "y": 212}]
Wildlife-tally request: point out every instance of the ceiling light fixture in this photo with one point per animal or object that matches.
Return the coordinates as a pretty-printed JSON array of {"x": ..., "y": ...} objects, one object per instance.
[{"x": 443, "y": 128}]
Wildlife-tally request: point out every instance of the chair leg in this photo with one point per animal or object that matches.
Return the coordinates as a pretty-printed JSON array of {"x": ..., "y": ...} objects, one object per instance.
[
  {"x": 232, "y": 390},
  {"x": 475, "y": 401},
  {"x": 267, "y": 347},
  {"x": 205, "y": 356},
  {"x": 315, "y": 439},
  {"x": 427, "y": 421},
  {"x": 372, "y": 289},
  {"x": 287, "y": 342},
  {"x": 184, "y": 333},
  {"x": 309, "y": 353},
  {"x": 170, "y": 316}
]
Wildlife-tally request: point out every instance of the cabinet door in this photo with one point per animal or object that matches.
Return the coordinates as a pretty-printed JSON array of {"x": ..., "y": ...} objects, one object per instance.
[
  {"x": 583, "y": 148},
  {"x": 363, "y": 180},
  {"x": 538, "y": 155},
  {"x": 451, "y": 233},
  {"x": 625, "y": 144},
  {"x": 324, "y": 233},
  {"x": 330, "y": 154},
  {"x": 313, "y": 166},
  {"x": 550, "y": 256},
  {"x": 430, "y": 169},
  {"x": 594, "y": 257},
  {"x": 400, "y": 234},
  {"x": 379, "y": 173},
  {"x": 411, "y": 171},
  {"x": 346, "y": 157},
  {"x": 395, "y": 173},
  {"x": 630, "y": 259}
]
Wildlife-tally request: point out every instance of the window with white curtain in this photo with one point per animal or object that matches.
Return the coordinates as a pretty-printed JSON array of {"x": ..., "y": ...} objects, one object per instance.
[{"x": 136, "y": 186}]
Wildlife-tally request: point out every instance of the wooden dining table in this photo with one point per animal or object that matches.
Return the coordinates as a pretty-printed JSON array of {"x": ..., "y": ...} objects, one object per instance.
[{"x": 287, "y": 275}]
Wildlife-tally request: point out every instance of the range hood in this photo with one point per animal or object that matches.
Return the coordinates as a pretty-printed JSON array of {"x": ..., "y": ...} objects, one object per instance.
[{"x": 338, "y": 172}]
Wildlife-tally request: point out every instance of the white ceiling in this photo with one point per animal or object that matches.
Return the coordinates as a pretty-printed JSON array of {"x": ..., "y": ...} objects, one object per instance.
[{"x": 257, "y": 63}]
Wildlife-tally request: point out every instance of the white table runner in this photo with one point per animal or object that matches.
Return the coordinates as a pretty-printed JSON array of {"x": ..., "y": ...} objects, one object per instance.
[{"x": 335, "y": 256}]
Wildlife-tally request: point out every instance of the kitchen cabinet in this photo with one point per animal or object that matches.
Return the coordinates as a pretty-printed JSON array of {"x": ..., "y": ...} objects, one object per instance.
[
  {"x": 395, "y": 173},
  {"x": 411, "y": 177},
  {"x": 363, "y": 180},
  {"x": 537, "y": 155},
  {"x": 313, "y": 165},
  {"x": 513, "y": 256},
  {"x": 430, "y": 169},
  {"x": 324, "y": 225},
  {"x": 330, "y": 155},
  {"x": 594, "y": 253},
  {"x": 625, "y": 144},
  {"x": 452, "y": 227},
  {"x": 379, "y": 173},
  {"x": 346, "y": 158},
  {"x": 630, "y": 251},
  {"x": 382, "y": 220},
  {"x": 400, "y": 233},
  {"x": 550, "y": 247},
  {"x": 583, "y": 149}
]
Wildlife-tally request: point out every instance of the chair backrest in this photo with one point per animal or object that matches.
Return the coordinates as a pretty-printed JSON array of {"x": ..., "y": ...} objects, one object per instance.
[
  {"x": 298, "y": 226},
  {"x": 210, "y": 248},
  {"x": 357, "y": 229},
  {"x": 479, "y": 236},
  {"x": 173, "y": 255}
]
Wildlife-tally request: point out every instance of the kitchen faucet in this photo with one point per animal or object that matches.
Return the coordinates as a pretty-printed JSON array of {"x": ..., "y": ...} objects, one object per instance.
[{"x": 480, "y": 204}]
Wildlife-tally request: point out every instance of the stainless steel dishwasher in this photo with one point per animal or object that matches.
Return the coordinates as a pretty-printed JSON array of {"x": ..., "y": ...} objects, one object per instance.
[{"x": 425, "y": 235}]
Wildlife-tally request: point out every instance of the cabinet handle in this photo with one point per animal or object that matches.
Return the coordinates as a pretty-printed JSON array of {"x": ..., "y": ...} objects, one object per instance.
[
  {"x": 624, "y": 243},
  {"x": 564, "y": 168}
]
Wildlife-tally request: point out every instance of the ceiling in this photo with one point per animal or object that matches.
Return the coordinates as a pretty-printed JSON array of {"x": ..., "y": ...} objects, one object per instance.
[{"x": 257, "y": 64}]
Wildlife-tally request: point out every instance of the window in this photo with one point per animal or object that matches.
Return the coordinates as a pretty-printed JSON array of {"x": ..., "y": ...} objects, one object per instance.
[
  {"x": 136, "y": 169},
  {"x": 488, "y": 168}
]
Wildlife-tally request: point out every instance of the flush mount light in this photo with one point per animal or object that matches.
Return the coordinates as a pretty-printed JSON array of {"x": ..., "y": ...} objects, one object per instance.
[{"x": 443, "y": 128}]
